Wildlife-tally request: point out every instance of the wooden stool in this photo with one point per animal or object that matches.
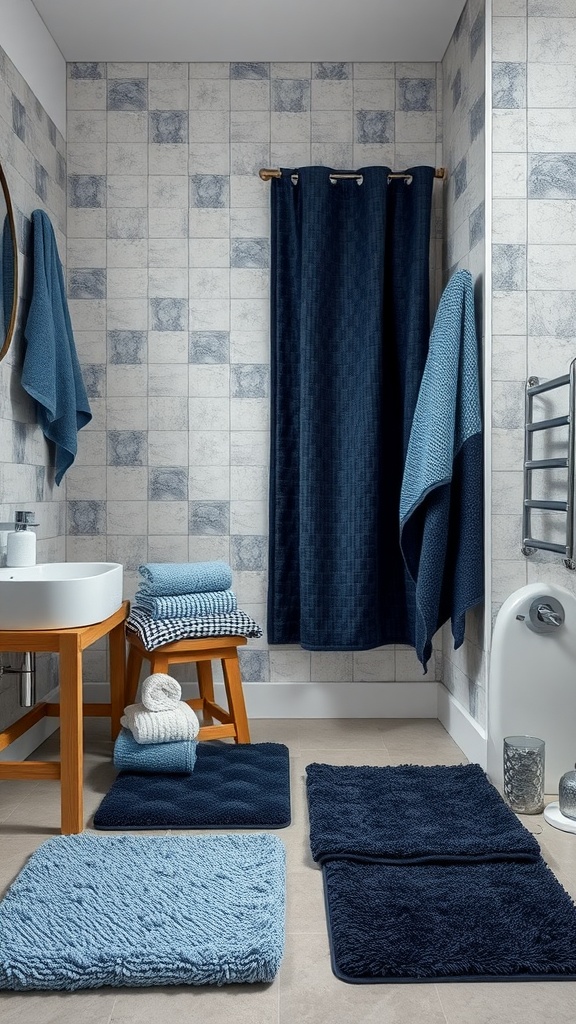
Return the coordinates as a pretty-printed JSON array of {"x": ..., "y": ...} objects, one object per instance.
[{"x": 234, "y": 722}]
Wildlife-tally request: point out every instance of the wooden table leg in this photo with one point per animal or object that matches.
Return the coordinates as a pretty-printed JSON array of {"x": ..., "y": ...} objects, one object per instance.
[
  {"x": 71, "y": 735},
  {"x": 117, "y": 651},
  {"x": 235, "y": 695}
]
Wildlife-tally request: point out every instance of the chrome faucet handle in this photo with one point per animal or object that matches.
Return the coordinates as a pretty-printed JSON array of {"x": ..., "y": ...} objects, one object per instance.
[
  {"x": 546, "y": 614},
  {"x": 22, "y": 520}
]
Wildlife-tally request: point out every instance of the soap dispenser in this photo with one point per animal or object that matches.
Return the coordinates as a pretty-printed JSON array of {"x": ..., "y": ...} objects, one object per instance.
[{"x": 21, "y": 542}]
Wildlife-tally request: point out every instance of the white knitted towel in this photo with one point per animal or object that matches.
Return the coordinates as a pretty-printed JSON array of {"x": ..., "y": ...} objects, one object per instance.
[
  {"x": 180, "y": 723},
  {"x": 160, "y": 692}
]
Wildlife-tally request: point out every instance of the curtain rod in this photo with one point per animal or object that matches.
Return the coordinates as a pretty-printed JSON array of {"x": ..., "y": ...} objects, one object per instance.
[{"x": 266, "y": 173}]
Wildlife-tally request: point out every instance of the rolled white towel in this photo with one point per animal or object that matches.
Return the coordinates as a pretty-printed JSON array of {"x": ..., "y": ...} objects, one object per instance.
[
  {"x": 179, "y": 723},
  {"x": 160, "y": 692}
]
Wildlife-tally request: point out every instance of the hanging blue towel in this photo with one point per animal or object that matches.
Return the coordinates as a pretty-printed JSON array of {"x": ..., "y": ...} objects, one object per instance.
[
  {"x": 154, "y": 758},
  {"x": 441, "y": 527},
  {"x": 51, "y": 372},
  {"x": 168, "y": 579}
]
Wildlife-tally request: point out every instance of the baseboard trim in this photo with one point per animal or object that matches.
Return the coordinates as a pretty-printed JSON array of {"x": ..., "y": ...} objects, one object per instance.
[
  {"x": 324, "y": 700},
  {"x": 30, "y": 740},
  {"x": 464, "y": 730}
]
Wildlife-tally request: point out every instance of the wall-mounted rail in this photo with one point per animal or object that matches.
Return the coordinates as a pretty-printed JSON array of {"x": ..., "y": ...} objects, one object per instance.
[{"x": 567, "y": 462}]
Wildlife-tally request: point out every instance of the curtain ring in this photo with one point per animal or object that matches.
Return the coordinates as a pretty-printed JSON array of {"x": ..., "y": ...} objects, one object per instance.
[
  {"x": 294, "y": 179},
  {"x": 360, "y": 179},
  {"x": 333, "y": 181}
]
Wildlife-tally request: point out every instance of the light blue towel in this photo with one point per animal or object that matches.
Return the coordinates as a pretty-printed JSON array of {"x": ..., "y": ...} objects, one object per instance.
[
  {"x": 168, "y": 579},
  {"x": 51, "y": 372},
  {"x": 154, "y": 758},
  {"x": 441, "y": 529},
  {"x": 187, "y": 606}
]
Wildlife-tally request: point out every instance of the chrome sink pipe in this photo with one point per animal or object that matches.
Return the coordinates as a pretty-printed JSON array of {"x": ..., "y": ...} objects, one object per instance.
[{"x": 27, "y": 676}]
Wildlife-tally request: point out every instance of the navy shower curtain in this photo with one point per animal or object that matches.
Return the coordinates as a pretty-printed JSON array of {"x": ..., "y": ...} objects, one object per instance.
[{"x": 349, "y": 338}]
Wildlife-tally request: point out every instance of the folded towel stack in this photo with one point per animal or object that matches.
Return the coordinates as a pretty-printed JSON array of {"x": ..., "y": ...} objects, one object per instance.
[
  {"x": 160, "y": 733},
  {"x": 185, "y": 590}
]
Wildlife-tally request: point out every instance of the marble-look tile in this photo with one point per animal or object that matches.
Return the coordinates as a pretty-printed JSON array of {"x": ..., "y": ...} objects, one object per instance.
[
  {"x": 551, "y": 131},
  {"x": 127, "y": 126},
  {"x": 551, "y": 267},
  {"x": 209, "y": 517},
  {"x": 456, "y": 88},
  {"x": 208, "y": 483},
  {"x": 210, "y": 448},
  {"x": 127, "y": 346},
  {"x": 289, "y": 666},
  {"x": 331, "y": 667},
  {"x": 416, "y": 94},
  {"x": 127, "y": 94},
  {"x": 94, "y": 375},
  {"x": 87, "y": 190},
  {"x": 168, "y": 191},
  {"x": 551, "y": 314},
  {"x": 552, "y": 40},
  {"x": 249, "y": 252},
  {"x": 337, "y": 70},
  {"x": 86, "y": 517},
  {"x": 330, "y": 94},
  {"x": 127, "y": 157},
  {"x": 248, "y": 553},
  {"x": 167, "y": 158},
  {"x": 86, "y": 69},
  {"x": 551, "y": 221},
  {"x": 168, "y": 314},
  {"x": 86, "y": 94},
  {"x": 254, "y": 666},
  {"x": 127, "y": 222},
  {"x": 126, "y": 414},
  {"x": 167, "y": 483},
  {"x": 508, "y": 404},
  {"x": 476, "y": 225},
  {"x": 247, "y": 69},
  {"x": 168, "y": 93},
  {"x": 252, "y": 95},
  {"x": 250, "y": 126},
  {"x": 168, "y": 447},
  {"x": 374, "y": 126},
  {"x": 509, "y": 267},
  {"x": 209, "y": 346},
  {"x": 209, "y": 94},
  {"x": 509, "y": 85},
  {"x": 249, "y": 380},
  {"x": 166, "y": 380},
  {"x": 124, "y": 283},
  {"x": 551, "y": 85},
  {"x": 127, "y": 190},
  {"x": 87, "y": 283},
  {"x": 166, "y": 516},
  {"x": 290, "y": 95},
  {"x": 209, "y": 190},
  {"x": 477, "y": 117},
  {"x": 460, "y": 177},
  {"x": 127, "y": 448},
  {"x": 508, "y": 131},
  {"x": 168, "y": 126}
]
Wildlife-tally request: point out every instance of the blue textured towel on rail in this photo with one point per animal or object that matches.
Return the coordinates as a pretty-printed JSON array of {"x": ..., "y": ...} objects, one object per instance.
[
  {"x": 187, "y": 606},
  {"x": 154, "y": 758},
  {"x": 441, "y": 527},
  {"x": 166, "y": 579},
  {"x": 51, "y": 372}
]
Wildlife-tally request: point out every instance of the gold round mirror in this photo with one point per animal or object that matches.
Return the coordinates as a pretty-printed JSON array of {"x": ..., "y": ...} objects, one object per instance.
[{"x": 8, "y": 267}]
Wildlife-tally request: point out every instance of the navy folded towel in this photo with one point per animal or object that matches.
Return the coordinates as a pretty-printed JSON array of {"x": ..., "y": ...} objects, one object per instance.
[
  {"x": 154, "y": 758},
  {"x": 51, "y": 371},
  {"x": 168, "y": 579}
]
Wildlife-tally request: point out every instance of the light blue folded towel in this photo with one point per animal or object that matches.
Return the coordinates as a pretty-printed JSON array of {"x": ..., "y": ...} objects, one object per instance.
[
  {"x": 168, "y": 579},
  {"x": 154, "y": 758},
  {"x": 51, "y": 372},
  {"x": 187, "y": 606}
]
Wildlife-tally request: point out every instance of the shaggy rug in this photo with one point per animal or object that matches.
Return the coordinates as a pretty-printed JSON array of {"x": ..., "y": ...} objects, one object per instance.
[
  {"x": 429, "y": 876},
  {"x": 88, "y": 911},
  {"x": 244, "y": 785}
]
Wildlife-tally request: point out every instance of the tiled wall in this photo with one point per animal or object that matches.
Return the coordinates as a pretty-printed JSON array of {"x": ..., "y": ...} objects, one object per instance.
[
  {"x": 533, "y": 263},
  {"x": 33, "y": 156},
  {"x": 168, "y": 255},
  {"x": 464, "y": 670}
]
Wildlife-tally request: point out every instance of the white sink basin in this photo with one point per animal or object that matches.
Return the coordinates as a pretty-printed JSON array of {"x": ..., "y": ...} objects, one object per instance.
[{"x": 59, "y": 595}]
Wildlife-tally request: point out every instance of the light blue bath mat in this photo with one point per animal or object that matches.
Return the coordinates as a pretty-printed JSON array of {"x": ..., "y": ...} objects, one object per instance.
[{"x": 88, "y": 911}]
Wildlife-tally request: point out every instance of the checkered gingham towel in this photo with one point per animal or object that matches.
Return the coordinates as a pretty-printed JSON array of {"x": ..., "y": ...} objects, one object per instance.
[{"x": 155, "y": 632}]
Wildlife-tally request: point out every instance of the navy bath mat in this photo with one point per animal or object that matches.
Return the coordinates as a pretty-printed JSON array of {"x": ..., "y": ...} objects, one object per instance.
[
  {"x": 429, "y": 876},
  {"x": 243, "y": 785}
]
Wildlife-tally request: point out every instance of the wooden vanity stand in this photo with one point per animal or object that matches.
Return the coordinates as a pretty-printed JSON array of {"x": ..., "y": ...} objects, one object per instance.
[{"x": 69, "y": 645}]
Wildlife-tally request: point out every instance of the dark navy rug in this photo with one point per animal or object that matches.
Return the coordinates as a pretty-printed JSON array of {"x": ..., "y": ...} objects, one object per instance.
[
  {"x": 232, "y": 786},
  {"x": 428, "y": 876}
]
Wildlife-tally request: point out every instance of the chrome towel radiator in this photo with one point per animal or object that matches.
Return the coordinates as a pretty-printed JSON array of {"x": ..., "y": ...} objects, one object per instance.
[{"x": 530, "y": 543}]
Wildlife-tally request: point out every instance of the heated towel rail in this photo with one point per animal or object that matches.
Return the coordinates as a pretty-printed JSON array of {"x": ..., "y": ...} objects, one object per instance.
[{"x": 530, "y": 543}]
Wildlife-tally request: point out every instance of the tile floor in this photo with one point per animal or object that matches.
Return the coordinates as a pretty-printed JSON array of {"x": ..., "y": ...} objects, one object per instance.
[{"x": 305, "y": 991}]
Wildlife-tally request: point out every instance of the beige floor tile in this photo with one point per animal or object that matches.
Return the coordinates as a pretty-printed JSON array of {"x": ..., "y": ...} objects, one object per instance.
[
  {"x": 57, "y": 1007},
  {"x": 550, "y": 1002},
  {"x": 305, "y": 901},
  {"x": 234, "y": 1004},
  {"x": 342, "y": 733},
  {"x": 279, "y": 730},
  {"x": 311, "y": 994}
]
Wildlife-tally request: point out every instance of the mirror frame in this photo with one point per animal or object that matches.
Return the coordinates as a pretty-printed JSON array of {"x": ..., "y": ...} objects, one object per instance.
[{"x": 10, "y": 214}]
